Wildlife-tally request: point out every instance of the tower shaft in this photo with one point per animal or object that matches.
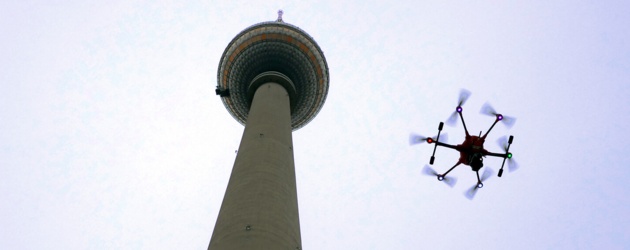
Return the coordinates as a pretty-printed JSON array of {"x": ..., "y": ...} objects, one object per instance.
[{"x": 260, "y": 209}]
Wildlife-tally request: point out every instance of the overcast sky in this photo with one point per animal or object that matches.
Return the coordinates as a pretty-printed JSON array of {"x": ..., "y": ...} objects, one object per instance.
[{"x": 111, "y": 136}]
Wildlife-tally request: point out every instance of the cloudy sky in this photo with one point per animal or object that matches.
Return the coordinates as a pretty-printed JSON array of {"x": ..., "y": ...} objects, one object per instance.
[{"x": 111, "y": 136}]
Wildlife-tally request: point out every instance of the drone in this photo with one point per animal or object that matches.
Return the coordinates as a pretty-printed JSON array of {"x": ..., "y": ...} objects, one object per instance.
[{"x": 471, "y": 151}]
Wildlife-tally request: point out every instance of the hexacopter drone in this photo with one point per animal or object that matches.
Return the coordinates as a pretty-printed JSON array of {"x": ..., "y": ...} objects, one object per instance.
[{"x": 471, "y": 150}]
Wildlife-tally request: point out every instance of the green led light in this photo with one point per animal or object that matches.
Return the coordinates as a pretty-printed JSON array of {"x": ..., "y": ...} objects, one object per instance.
[{"x": 509, "y": 155}]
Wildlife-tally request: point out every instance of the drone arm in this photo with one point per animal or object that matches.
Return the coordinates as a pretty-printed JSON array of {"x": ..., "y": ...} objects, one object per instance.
[
  {"x": 507, "y": 154},
  {"x": 437, "y": 143},
  {"x": 456, "y": 164},
  {"x": 495, "y": 122},
  {"x": 497, "y": 154},
  {"x": 463, "y": 123},
  {"x": 504, "y": 156}
]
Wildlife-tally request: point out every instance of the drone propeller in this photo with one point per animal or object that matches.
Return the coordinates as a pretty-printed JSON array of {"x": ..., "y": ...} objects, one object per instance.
[
  {"x": 452, "y": 120},
  {"x": 489, "y": 110},
  {"x": 417, "y": 139},
  {"x": 447, "y": 179},
  {"x": 463, "y": 96},
  {"x": 505, "y": 143},
  {"x": 470, "y": 194}
]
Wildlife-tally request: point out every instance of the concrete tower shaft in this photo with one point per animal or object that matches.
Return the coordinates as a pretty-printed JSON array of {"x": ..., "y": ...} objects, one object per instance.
[
  {"x": 260, "y": 210},
  {"x": 273, "y": 78}
]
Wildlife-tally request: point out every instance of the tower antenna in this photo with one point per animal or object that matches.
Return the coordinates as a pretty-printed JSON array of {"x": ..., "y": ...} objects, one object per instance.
[{"x": 280, "y": 12}]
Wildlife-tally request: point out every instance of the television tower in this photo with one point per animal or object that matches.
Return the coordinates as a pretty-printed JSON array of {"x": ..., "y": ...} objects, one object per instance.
[{"x": 272, "y": 78}]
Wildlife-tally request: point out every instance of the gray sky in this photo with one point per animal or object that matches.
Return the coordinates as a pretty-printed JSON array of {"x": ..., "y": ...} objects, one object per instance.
[{"x": 111, "y": 136}]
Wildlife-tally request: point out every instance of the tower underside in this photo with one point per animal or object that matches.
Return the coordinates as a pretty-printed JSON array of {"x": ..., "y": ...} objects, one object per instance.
[{"x": 260, "y": 209}]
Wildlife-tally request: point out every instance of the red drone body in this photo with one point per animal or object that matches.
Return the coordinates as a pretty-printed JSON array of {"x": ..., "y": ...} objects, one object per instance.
[
  {"x": 473, "y": 145},
  {"x": 471, "y": 151}
]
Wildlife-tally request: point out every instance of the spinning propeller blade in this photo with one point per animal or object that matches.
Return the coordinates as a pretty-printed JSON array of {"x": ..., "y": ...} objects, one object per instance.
[
  {"x": 503, "y": 142},
  {"x": 452, "y": 120},
  {"x": 486, "y": 174},
  {"x": 463, "y": 97},
  {"x": 443, "y": 137},
  {"x": 470, "y": 193},
  {"x": 464, "y": 94},
  {"x": 487, "y": 109},
  {"x": 417, "y": 139},
  {"x": 508, "y": 121},
  {"x": 447, "y": 179},
  {"x": 512, "y": 165},
  {"x": 450, "y": 181},
  {"x": 429, "y": 171}
]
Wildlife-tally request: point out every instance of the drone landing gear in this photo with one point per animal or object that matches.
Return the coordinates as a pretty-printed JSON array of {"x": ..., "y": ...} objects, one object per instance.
[
  {"x": 437, "y": 140},
  {"x": 508, "y": 155}
]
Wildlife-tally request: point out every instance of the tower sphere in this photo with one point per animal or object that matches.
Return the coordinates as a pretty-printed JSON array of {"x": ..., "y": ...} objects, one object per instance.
[{"x": 278, "y": 52}]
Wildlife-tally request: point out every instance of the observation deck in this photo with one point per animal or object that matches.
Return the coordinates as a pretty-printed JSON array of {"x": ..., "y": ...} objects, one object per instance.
[{"x": 279, "y": 52}]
